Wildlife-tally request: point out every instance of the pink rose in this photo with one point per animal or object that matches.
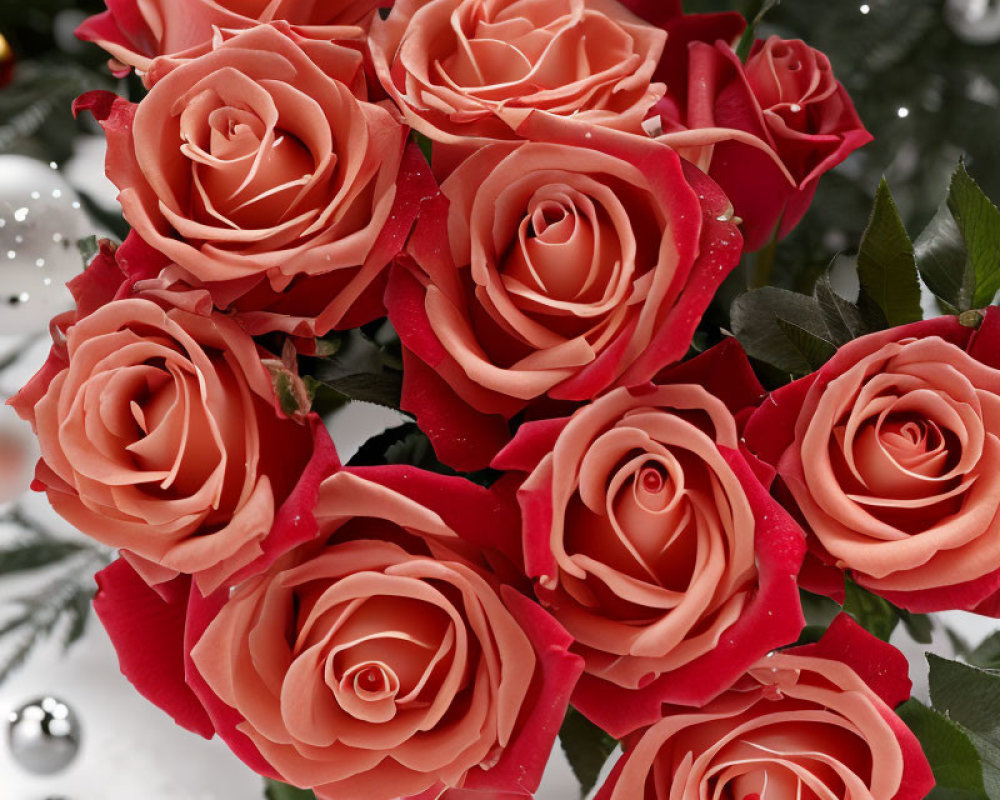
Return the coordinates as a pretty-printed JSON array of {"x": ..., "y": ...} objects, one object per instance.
[
  {"x": 159, "y": 434},
  {"x": 135, "y": 32},
  {"x": 890, "y": 453},
  {"x": 381, "y": 660},
  {"x": 552, "y": 270},
  {"x": 654, "y": 544},
  {"x": 810, "y": 722},
  {"x": 462, "y": 70},
  {"x": 788, "y": 120},
  {"x": 260, "y": 171}
]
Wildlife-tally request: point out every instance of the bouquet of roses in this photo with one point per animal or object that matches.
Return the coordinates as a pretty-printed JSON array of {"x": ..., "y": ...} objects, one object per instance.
[{"x": 508, "y": 219}]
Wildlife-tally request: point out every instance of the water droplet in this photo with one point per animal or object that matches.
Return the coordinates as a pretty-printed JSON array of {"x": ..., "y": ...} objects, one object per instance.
[
  {"x": 902, "y": 112},
  {"x": 39, "y": 262},
  {"x": 18, "y": 239},
  {"x": 57, "y": 237},
  {"x": 36, "y": 195},
  {"x": 24, "y": 297},
  {"x": 47, "y": 281},
  {"x": 11, "y": 255},
  {"x": 57, "y": 193},
  {"x": 795, "y": 108},
  {"x": 76, "y": 204},
  {"x": 21, "y": 214},
  {"x": 865, "y": 9}
]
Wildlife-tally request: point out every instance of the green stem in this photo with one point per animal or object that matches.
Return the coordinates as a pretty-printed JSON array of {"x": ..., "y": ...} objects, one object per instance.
[{"x": 763, "y": 265}]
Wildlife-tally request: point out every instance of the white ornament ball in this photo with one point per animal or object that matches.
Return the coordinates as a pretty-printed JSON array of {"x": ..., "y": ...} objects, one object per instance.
[
  {"x": 41, "y": 221},
  {"x": 974, "y": 21}
]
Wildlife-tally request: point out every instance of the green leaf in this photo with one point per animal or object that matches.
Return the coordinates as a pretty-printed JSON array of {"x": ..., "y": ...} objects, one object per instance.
[
  {"x": 887, "y": 268},
  {"x": 959, "y": 251},
  {"x": 587, "y": 748},
  {"x": 843, "y": 319},
  {"x": 363, "y": 368},
  {"x": 329, "y": 345},
  {"x": 970, "y": 697},
  {"x": 987, "y": 654},
  {"x": 89, "y": 247},
  {"x": 383, "y": 389},
  {"x": 746, "y": 41},
  {"x": 958, "y": 770},
  {"x": 287, "y": 388},
  {"x": 941, "y": 258},
  {"x": 425, "y": 144},
  {"x": 919, "y": 626},
  {"x": 978, "y": 220},
  {"x": 814, "y": 349},
  {"x": 282, "y": 791},
  {"x": 35, "y": 554},
  {"x": 755, "y": 319},
  {"x": 874, "y": 614}
]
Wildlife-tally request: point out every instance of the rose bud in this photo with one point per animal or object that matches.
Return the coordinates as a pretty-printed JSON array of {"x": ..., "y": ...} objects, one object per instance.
[
  {"x": 889, "y": 454},
  {"x": 160, "y": 433},
  {"x": 810, "y": 722},
  {"x": 381, "y": 660},
  {"x": 769, "y": 129},
  {"x": 653, "y": 543}
]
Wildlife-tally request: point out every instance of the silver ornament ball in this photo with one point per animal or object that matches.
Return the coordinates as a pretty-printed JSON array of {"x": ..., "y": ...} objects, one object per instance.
[
  {"x": 974, "y": 21},
  {"x": 44, "y": 736},
  {"x": 41, "y": 221}
]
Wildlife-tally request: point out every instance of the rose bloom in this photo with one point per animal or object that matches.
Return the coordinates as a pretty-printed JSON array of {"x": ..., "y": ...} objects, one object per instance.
[
  {"x": 261, "y": 172},
  {"x": 381, "y": 660},
  {"x": 654, "y": 544},
  {"x": 764, "y": 131},
  {"x": 160, "y": 434},
  {"x": 552, "y": 270},
  {"x": 811, "y": 722},
  {"x": 890, "y": 454},
  {"x": 135, "y": 32},
  {"x": 461, "y": 69}
]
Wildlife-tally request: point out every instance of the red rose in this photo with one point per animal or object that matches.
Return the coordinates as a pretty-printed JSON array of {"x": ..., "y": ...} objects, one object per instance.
[
  {"x": 279, "y": 190},
  {"x": 810, "y": 722},
  {"x": 380, "y": 660},
  {"x": 552, "y": 270},
  {"x": 160, "y": 434},
  {"x": 765, "y": 131},
  {"x": 135, "y": 32},
  {"x": 653, "y": 543},
  {"x": 890, "y": 454}
]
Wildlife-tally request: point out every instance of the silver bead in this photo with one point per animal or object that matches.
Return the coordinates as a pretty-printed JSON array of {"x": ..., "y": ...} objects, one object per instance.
[{"x": 44, "y": 736}]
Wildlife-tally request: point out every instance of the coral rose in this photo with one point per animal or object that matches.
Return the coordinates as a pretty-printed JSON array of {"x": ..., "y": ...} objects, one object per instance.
[
  {"x": 159, "y": 434},
  {"x": 552, "y": 270},
  {"x": 891, "y": 455},
  {"x": 459, "y": 68},
  {"x": 135, "y": 32},
  {"x": 259, "y": 171},
  {"x": 789, "y": 121},
  {"x": 381, "y": 660},
  {"x": 653, "y": 543},
  {"x": 811, "y": 722}
]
